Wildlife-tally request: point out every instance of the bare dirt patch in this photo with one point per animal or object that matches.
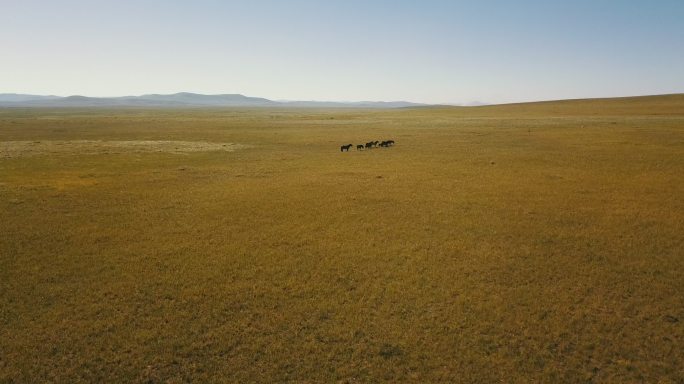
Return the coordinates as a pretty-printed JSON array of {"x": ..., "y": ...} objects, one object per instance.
[{"x": 16, "y": 149}]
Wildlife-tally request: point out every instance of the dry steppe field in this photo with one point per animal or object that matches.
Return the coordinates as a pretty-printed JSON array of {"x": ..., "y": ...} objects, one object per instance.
[{"x": 521, "y": 243}]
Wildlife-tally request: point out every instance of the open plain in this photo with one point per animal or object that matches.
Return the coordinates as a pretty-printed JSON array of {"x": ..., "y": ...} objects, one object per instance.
[{"x": 518, "y": 243}]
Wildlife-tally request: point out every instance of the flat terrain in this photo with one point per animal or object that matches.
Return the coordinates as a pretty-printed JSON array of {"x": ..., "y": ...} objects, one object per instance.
[{"x": 519, "y": 243}]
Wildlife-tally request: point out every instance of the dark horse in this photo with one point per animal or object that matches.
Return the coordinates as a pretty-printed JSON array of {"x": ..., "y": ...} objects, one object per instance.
[
  {"x": 345, "y": 148},
  {"x": 369, "y": 144},
  {"x": 390, "y": 142},
  {"x": 359, "y": 147}
]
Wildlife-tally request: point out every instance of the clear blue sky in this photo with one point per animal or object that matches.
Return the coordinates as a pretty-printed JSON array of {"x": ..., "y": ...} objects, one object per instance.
[{"x": 426, "y": 51}]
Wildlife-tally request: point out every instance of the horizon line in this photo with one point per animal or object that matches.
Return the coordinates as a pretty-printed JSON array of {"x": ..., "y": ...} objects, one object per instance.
[{"x": 463, "y": 104}]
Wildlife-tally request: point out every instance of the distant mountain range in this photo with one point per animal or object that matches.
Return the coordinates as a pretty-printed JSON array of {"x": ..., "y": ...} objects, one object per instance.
[{"x": 184, "y": 99}]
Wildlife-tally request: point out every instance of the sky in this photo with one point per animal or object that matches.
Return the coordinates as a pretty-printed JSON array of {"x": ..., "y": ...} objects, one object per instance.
[{"x": 431, "y": 51}]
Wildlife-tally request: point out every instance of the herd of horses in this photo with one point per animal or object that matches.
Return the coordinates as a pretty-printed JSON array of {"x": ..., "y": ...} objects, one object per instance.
[{"x": 368, "y": 145}]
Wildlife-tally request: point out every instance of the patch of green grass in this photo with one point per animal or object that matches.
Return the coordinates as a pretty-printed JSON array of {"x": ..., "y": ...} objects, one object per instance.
[{"x": 528, "y": 243}]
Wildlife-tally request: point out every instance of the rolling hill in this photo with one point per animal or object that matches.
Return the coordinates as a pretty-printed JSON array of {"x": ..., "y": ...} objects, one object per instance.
[{"x": 183, "y": 99}]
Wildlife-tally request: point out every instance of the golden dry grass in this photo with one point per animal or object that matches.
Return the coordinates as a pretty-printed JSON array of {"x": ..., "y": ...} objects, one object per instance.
[{"x": 520, "y": 243}]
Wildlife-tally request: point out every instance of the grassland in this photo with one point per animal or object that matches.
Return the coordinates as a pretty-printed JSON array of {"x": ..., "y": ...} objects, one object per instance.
[{"x": 521, "y": 243}]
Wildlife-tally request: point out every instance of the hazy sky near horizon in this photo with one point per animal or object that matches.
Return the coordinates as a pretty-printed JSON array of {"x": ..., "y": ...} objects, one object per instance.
[{"x": 434, "y": 51}]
